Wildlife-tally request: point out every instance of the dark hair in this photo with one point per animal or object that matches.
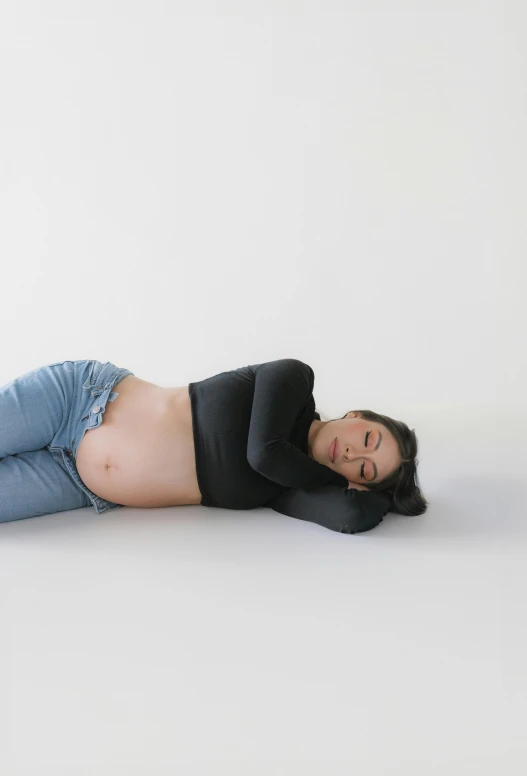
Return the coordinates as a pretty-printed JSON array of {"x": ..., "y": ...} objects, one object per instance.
[{"x": 401, "y": 485}]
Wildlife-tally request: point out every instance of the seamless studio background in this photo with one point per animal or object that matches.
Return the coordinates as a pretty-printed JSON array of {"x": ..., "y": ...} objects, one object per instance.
[{"x": 186, "y": 188}]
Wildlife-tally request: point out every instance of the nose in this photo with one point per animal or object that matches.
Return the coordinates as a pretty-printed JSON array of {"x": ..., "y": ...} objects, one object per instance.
[{"x": 350, "y": 453}]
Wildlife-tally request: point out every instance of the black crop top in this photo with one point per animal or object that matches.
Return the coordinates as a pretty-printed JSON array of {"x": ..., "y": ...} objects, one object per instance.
[{"x": 250, "y": 428}]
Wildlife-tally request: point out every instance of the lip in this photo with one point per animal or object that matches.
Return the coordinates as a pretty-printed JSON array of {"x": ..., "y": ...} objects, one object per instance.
[{"x": 333, "y": 451}]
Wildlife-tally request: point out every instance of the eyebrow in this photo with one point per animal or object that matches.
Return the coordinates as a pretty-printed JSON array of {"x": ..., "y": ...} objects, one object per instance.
[{"x": 373, "y": 462}]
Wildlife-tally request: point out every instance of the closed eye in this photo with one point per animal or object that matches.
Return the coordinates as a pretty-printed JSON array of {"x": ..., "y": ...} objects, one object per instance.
[{"x": 373, "y": 462}]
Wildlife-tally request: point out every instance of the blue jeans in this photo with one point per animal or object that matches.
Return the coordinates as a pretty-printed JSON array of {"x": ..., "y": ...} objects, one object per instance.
[{"x": 44, "y": 415}]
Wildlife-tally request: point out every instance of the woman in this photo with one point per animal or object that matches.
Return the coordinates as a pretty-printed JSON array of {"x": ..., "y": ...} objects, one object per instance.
[{"x": 81, "y": 433}]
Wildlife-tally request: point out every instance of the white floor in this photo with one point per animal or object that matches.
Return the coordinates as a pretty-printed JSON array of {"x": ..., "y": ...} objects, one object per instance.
[{"x": 190, "y": 640}]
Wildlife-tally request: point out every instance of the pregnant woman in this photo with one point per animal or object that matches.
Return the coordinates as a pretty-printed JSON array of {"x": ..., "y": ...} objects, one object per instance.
[{"x": 81, "y": 433}]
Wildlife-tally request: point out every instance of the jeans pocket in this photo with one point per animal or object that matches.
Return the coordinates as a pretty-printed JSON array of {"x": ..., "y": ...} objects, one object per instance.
[{"x": 91, "y": 384}]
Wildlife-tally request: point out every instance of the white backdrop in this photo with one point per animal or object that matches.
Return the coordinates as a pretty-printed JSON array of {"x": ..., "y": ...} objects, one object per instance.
[{"x": 189, "y": 187}]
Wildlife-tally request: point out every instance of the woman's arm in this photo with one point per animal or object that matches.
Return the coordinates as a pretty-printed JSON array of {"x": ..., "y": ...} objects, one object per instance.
[
  {"x": 340, "y": 509},
  {"x": 357, "y": 487},
  {"x": 281, "y": 391}
]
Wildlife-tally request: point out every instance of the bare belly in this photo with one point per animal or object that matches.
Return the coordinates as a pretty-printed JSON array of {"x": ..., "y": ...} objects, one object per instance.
[{"x": 142, "y": 454}]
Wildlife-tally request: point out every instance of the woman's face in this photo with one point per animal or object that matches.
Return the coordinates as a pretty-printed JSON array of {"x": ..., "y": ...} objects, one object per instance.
[{"x": 361, "y": 457}]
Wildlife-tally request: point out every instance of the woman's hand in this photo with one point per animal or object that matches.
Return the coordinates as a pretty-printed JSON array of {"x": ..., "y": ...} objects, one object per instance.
[{"x": 357, "y": 487}]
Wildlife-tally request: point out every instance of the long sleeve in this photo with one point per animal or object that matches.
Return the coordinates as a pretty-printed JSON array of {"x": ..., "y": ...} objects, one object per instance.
[
  {"x": 339, "y": 509},
  {"x": 282, "y": 389}
]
